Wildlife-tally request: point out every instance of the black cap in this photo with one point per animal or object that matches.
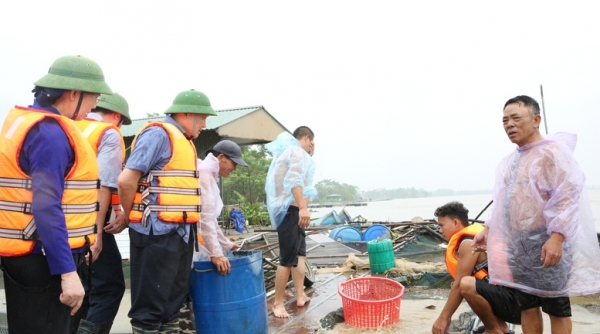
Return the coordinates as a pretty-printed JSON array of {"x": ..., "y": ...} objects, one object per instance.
[{"x": 231, "y": 150}]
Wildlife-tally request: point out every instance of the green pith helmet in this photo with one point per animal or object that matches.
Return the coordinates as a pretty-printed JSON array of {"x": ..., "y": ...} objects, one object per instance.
[
  {"x": 75, "y": 73},
  {"x": 115, "y": 103},
  {"x": 191, "y": 101}
]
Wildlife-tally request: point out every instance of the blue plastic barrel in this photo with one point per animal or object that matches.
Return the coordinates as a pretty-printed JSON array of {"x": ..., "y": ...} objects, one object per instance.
[
  {"x": 377, "y": 231},
  {"x": 233, "y": 303},
  {"x": 345, "y": 234}
]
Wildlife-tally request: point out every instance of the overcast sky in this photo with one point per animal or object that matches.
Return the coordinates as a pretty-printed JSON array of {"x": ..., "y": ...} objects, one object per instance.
[{"x": 399, "y": 94}]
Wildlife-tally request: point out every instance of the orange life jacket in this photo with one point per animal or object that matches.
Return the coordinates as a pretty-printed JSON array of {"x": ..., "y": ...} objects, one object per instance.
[
  {"x": 94, "y": 131},
  {"x": 480, "y": 270},
  {"x": 176, "y": 184},
  {"x": 80, "y": 196}
]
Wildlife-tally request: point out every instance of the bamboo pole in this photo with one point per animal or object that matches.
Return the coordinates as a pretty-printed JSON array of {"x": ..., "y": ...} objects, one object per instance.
[{"x": 544, "y": 108}]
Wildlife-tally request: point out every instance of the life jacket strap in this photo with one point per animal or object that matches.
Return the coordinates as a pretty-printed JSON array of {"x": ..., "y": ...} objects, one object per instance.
[
  {"x": 169, "y": 173},
  {"x": 82, "y": 184},
  {"x": 146, "y": 190},
  {"x": 29, "y": 232},
  {"x": 66, "y": 208},
  {"x": 146, "y": 209},
  {"x": 6, "y": 182},
  {"x": 482, "y": 266},
  {"x": 172, "y": 190}
]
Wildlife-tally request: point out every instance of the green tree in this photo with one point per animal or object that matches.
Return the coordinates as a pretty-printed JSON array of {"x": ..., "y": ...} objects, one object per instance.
[
  {"x": 246, "y": 186},
  {"x": 249, "y": 181},
  {"x": 330, "y": 187}
]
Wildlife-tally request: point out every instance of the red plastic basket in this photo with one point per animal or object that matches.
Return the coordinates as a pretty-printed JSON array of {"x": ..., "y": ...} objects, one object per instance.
[{"x": 371, "y": 302}]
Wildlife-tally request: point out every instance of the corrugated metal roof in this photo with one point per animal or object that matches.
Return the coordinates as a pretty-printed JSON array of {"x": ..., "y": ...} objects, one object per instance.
[{"x": 213, "y": 122}]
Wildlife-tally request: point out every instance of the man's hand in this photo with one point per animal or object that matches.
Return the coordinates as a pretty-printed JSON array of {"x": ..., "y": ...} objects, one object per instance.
[
  {"x": 480, "y": 241},
  {"x": 118, "y": 225},
  {"x": 96, "y": 248},
  {"x": 235, "y": 247},
  {"x": 304, "y": 216},
  {"x": 72, "y": 291},
  {"x": 552, "y": 250},
  {"x": 441, "y": 325},
  {"x": 222, "y": 264}
]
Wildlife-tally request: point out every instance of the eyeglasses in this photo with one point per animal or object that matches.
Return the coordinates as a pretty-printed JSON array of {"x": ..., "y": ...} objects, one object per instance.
[{"x": 96, "y": 96}]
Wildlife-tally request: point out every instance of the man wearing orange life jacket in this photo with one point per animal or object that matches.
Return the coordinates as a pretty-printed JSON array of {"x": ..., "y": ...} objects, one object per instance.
[
  {"x": 103, "y": 296},
  {"x": 495, "y": 305},
  {"x": 48, "y": 197},
  {"x": 163, "y": 210}
]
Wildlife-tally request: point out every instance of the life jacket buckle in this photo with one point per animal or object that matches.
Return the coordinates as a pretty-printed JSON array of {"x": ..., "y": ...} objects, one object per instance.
[{"x": 27, "y": 208}]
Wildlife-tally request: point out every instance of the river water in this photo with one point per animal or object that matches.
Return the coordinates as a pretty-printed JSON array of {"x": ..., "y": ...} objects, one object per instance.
[{"x": 404, "y": 209}]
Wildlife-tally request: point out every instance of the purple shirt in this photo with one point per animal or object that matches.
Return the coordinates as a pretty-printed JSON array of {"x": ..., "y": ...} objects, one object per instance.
[{"x": 47, "y": 157}]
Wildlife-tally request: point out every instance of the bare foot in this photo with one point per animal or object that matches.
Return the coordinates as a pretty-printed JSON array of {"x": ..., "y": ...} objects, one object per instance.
[
  {"x": 279, "y": 311},
  {"x": 300, "y": 301}
]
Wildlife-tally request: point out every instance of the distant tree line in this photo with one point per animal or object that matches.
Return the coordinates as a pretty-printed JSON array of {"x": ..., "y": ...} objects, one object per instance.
[
  {"x": 330, "y": 187},
  {"x": 246, "y": 188}
]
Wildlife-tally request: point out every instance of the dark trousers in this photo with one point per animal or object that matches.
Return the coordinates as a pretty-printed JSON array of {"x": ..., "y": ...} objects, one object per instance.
[
  {"x": 103, "y": 298},
  {"x": 160, "y": 273},
  {"x": 32, "y": 296}
]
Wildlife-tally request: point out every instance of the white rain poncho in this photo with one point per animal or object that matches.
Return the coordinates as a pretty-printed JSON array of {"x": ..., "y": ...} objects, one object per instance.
[
  {"x": 538, "y": 191},
  {"x": 215, "y": 243},
  {"x": 291, "y": 167}
]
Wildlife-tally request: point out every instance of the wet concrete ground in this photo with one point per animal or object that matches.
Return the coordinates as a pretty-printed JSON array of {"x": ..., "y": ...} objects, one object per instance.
[
  {"x": 419, "y": 308},
  {"x": 415, "y": 317}
]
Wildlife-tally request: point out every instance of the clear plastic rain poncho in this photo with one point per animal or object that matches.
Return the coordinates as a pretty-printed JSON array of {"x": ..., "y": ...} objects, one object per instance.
[
  {"x": 291, "y": 167},
  {"x": 540, "y": 190},
  {"x": 215, "y": 243}
]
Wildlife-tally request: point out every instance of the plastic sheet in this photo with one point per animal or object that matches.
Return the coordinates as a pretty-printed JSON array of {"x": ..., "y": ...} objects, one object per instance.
[
  {"x": 239, "y": 220},
  {"x": 291, "y": 167},
  {"x": 539, "y": 191},
  {"x": 215, "y": 243}
]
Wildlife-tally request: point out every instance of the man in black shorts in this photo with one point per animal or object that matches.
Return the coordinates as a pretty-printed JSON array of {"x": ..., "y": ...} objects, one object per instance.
[
  {"x": 539, "y": 233},
  {"x": 289, "y": 188},
  {"x": 494, "y": 304}
]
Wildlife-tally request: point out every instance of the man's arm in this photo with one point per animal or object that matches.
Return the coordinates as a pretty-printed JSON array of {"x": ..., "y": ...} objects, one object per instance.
[
  {"x": 110, "y": 155},
  {"x": 104, "y": 200},
  {"x": 466, "y": 262},
  {"x": 152, "y": 152},
  {"x": 304, "y": 215},
  {"x": 479, "y": 243},
  {"x": 563, "y": 180},
  {"x": 294, "y": 181},
  {"x": 208, "y": 223},
  {"x": 128, "y": 181}
]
